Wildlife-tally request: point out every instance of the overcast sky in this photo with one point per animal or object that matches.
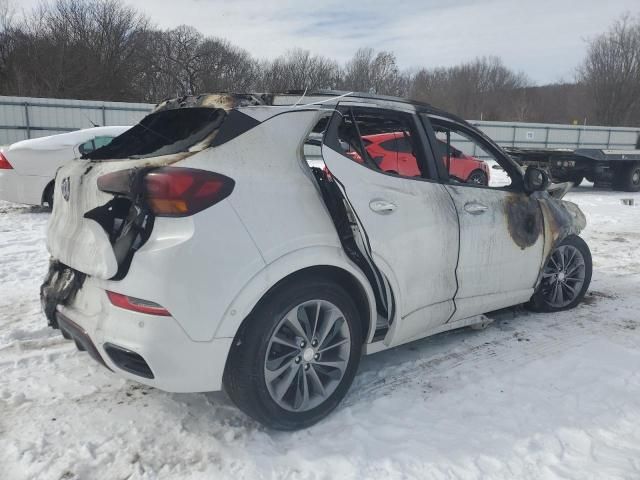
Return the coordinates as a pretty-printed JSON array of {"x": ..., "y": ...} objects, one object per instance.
[{"x": 546, "y": 39}]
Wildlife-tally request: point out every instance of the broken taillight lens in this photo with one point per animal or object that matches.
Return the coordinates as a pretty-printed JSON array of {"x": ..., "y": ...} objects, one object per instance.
[
  {"x": 171, "y": 191},
  {"x": 137, "y": 304},
  {"x": 4, "y": 163}
]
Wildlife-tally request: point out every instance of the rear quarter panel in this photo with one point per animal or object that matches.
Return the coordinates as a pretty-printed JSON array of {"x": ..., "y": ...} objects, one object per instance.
[{"x": 278, "y": 202}]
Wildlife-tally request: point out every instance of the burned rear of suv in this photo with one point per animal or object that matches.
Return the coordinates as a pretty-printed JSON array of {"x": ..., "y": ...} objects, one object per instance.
[{"x": 106, "y": 202}]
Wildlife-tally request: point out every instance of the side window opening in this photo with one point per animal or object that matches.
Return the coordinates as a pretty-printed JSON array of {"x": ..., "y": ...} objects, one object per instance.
[
  {"x": 467, "y": 159},
  {"x": 312, "y": 147},
  {"x": 381, "y": 140},
  {"x": 93, "y": 144}
]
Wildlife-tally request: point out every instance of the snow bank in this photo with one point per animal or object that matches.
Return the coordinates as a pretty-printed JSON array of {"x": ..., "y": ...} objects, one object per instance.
[{"x": 532, "y": 396}]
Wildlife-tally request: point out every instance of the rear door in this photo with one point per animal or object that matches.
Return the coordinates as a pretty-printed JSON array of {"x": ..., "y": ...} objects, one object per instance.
[{"x": 409, "y": 223}]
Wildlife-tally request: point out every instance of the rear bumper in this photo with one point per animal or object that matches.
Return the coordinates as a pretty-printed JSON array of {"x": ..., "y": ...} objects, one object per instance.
[
  {"x": 149, "y": 349},
  {"x": 72, "y": 331}
]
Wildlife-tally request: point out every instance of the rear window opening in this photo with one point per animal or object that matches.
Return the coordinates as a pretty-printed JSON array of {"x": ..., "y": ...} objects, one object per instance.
[{"x": 166, "y": 132}]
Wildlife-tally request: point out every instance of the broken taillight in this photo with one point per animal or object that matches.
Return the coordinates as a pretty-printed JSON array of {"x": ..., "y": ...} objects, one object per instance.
[
  {"x": 137, "y": 304},
  {"x": 171, "y": 191},
  {"x": 4, "y": 163}
]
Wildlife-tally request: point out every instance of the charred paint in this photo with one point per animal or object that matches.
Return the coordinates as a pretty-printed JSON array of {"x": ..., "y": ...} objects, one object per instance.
[
  {"x": 561, "y": 219},
  {"x": 524, "y": 219},
  {"x": 226, "y": 101}
]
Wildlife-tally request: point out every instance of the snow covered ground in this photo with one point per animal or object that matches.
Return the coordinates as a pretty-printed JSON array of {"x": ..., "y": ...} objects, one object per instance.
[{"x": 532, "y": 396}]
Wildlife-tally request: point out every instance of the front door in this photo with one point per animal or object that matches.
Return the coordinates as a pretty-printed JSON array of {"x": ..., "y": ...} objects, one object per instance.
[{"x": 501, "y": 230}]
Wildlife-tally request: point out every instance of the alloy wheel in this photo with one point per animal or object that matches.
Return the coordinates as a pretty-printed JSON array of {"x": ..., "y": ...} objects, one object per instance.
[
  {"x": 563, "y": 276},
  {"x": 307, "y": 355}
]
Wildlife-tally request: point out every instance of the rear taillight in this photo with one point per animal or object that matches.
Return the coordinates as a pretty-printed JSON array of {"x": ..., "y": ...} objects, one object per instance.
[
  {"x": 137, "y": 305},
  {"x": 171, "y": 191},
  {"x": 4, "y": 163}
]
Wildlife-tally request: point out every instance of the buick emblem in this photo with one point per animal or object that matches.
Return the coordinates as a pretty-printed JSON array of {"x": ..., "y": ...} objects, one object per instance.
[{"x": 66, "y": 188}]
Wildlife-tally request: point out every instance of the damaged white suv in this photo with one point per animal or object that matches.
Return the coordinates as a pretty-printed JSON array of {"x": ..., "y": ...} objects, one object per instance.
[{"x": 251, "y": 243}]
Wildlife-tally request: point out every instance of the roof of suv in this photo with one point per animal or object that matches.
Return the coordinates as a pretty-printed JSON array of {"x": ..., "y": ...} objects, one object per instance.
[{"x": 230, "y": 100}]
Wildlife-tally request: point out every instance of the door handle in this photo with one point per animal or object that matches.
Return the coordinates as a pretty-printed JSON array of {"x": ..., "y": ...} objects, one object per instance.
[
  {"x": 475, "y": 208},
  {"x": 382, "y": 207}
]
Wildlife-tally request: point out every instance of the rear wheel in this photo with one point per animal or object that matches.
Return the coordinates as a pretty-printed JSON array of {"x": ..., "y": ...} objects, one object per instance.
[
  {"x": 565, "y": 278},
  {"x": 296, "y": 356},
  {"x": 478, "y": 177},
  {"x": 627, "y": 178}
]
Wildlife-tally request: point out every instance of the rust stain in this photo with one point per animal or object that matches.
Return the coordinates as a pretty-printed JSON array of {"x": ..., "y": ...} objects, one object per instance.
[{"x": 524, "y": 219}]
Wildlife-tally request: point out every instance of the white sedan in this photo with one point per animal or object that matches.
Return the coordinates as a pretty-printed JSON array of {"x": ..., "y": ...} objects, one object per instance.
[{"x": 28, "y": 167}]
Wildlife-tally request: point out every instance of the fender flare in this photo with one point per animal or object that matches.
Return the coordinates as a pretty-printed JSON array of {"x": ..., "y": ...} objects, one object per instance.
[{"x": 308, "y": 257}]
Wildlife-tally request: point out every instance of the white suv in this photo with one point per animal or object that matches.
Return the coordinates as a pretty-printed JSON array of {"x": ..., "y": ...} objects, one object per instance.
[{"x": 251, "y": 243}]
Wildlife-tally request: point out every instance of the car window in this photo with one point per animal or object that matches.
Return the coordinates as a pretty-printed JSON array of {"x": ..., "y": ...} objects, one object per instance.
[
  {"x": 86, "y": 147},
  {"x": 102, "y": 141},
  {"x": 467, "y": 159},
  {"x": 358, "y": 123}
]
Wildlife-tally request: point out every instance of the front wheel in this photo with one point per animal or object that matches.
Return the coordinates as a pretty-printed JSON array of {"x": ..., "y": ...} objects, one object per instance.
[
  {"x": 296, "y": 356},
  {"x": 565, "y": 278}
]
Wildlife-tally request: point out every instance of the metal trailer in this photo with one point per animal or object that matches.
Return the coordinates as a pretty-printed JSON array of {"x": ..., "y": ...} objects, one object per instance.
[{"x": 616, "y": 169}]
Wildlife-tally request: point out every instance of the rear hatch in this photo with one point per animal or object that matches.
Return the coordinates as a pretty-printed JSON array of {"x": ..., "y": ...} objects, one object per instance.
[{"x": 96, "y": 231}]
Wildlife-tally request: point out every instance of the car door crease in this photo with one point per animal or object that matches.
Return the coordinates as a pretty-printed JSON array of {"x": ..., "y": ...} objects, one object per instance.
[{"x": 455, "y": 307}]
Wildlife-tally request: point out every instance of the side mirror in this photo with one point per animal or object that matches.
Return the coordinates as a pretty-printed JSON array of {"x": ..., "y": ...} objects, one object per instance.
[{"x": 535, "y": 180}]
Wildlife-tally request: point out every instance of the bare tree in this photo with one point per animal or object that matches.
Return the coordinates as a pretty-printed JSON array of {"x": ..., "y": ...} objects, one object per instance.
[
  {"x": 611, "y": 73},
  {"x": 299, "y": 70},
  {"x": 483, "y": 88},
  {"x": 7, "y": 13},
  {"x": 76, "y": 49},
  {"x": 104, "y": 49},
  {"x": 375, "y": 73}
]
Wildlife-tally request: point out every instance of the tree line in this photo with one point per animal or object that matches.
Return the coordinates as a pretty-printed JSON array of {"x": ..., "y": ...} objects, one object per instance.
[{"x": 106, "y": 50}]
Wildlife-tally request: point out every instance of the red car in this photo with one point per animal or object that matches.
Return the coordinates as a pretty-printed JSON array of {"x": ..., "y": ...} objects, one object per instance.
[{"x": 392, "y": 152}]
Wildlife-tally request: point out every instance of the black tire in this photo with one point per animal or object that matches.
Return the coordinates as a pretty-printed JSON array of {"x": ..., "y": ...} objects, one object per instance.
[
  {"x": 477, "y": 177},
  {"x": 47, "y": 196},
  {"x": 576, "y": 180},
  {"x": 538, "y": 303},
  {"x": 627, "y": 178},
  {"x": 244, "y": 378}
]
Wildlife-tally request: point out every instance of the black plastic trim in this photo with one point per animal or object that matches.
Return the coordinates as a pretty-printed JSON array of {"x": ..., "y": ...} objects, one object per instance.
[
  {"x": 83, "y": 342},
  {"x": 235, "y": 124},
  {"x": 128, "y": 360}
]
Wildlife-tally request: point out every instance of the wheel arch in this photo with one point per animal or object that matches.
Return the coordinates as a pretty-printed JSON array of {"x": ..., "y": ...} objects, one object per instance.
[
  {"x": 48, "y": 190},
  {"x": 294, "y": 267}
]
